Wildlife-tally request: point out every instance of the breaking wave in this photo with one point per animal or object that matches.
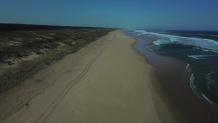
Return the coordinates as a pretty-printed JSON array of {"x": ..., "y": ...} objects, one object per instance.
[
  {"x": 206, "y": 44},
  {"x": 201, "y": 56}
]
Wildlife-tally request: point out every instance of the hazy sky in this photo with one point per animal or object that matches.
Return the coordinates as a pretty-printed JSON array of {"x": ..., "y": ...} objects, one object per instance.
[{"x": 163, "y": 14}]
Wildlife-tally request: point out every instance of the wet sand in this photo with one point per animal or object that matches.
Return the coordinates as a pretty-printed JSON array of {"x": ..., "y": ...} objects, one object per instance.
[
  {"x": 105, "y": 82},
  {"x": 173, "y": 75}
]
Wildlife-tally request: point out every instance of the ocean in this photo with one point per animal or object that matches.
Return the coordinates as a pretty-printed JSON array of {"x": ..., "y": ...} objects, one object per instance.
[
  {"x": 201, "y": 56},
  {"x": 187, "y": 62}
]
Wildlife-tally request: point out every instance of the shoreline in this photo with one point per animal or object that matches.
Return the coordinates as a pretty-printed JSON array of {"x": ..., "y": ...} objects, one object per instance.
[
  {"x": 180, "y": 94},
  {"x": 158, "y": 87}
]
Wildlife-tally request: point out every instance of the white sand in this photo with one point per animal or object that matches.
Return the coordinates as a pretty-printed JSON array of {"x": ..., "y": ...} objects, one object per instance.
[{"x": 106, "y": 82}]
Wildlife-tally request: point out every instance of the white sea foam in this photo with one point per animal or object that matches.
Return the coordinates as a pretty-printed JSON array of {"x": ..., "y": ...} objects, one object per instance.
[
  {"x": 187, "y": 67},
  {"x": 199, "y": 56},
  {"x": 191, "y": 80},
  {"x": 207, "y": 99},
  {"x": 140, "y": 32},
  {"x": 195, "y": 90},
  {"x": 206, "y": 44}
]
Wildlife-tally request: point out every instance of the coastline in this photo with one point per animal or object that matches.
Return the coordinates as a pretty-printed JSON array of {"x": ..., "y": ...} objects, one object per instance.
[
  {"x": 175, "y": 86},
  {"x": 165, "y": 107}
]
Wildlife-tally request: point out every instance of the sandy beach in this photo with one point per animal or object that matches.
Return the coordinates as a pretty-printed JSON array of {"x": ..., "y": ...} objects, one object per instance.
[{"x": 105, "y": 82}]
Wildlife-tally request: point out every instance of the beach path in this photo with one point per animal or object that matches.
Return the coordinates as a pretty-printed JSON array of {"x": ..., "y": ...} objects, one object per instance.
[{"x": 105, "y": 82}]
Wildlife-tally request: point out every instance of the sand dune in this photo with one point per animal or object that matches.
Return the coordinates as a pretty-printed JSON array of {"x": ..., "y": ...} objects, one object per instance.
[{"x": 105, "y": 82}]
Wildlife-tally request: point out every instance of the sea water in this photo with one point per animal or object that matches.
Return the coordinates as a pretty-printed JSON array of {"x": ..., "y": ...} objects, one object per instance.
[{"x": 201, "y": 56}]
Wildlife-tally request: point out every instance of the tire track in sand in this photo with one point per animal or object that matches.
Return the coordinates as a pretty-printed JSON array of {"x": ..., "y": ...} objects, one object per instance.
[{"x": 42, "y": 117}]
